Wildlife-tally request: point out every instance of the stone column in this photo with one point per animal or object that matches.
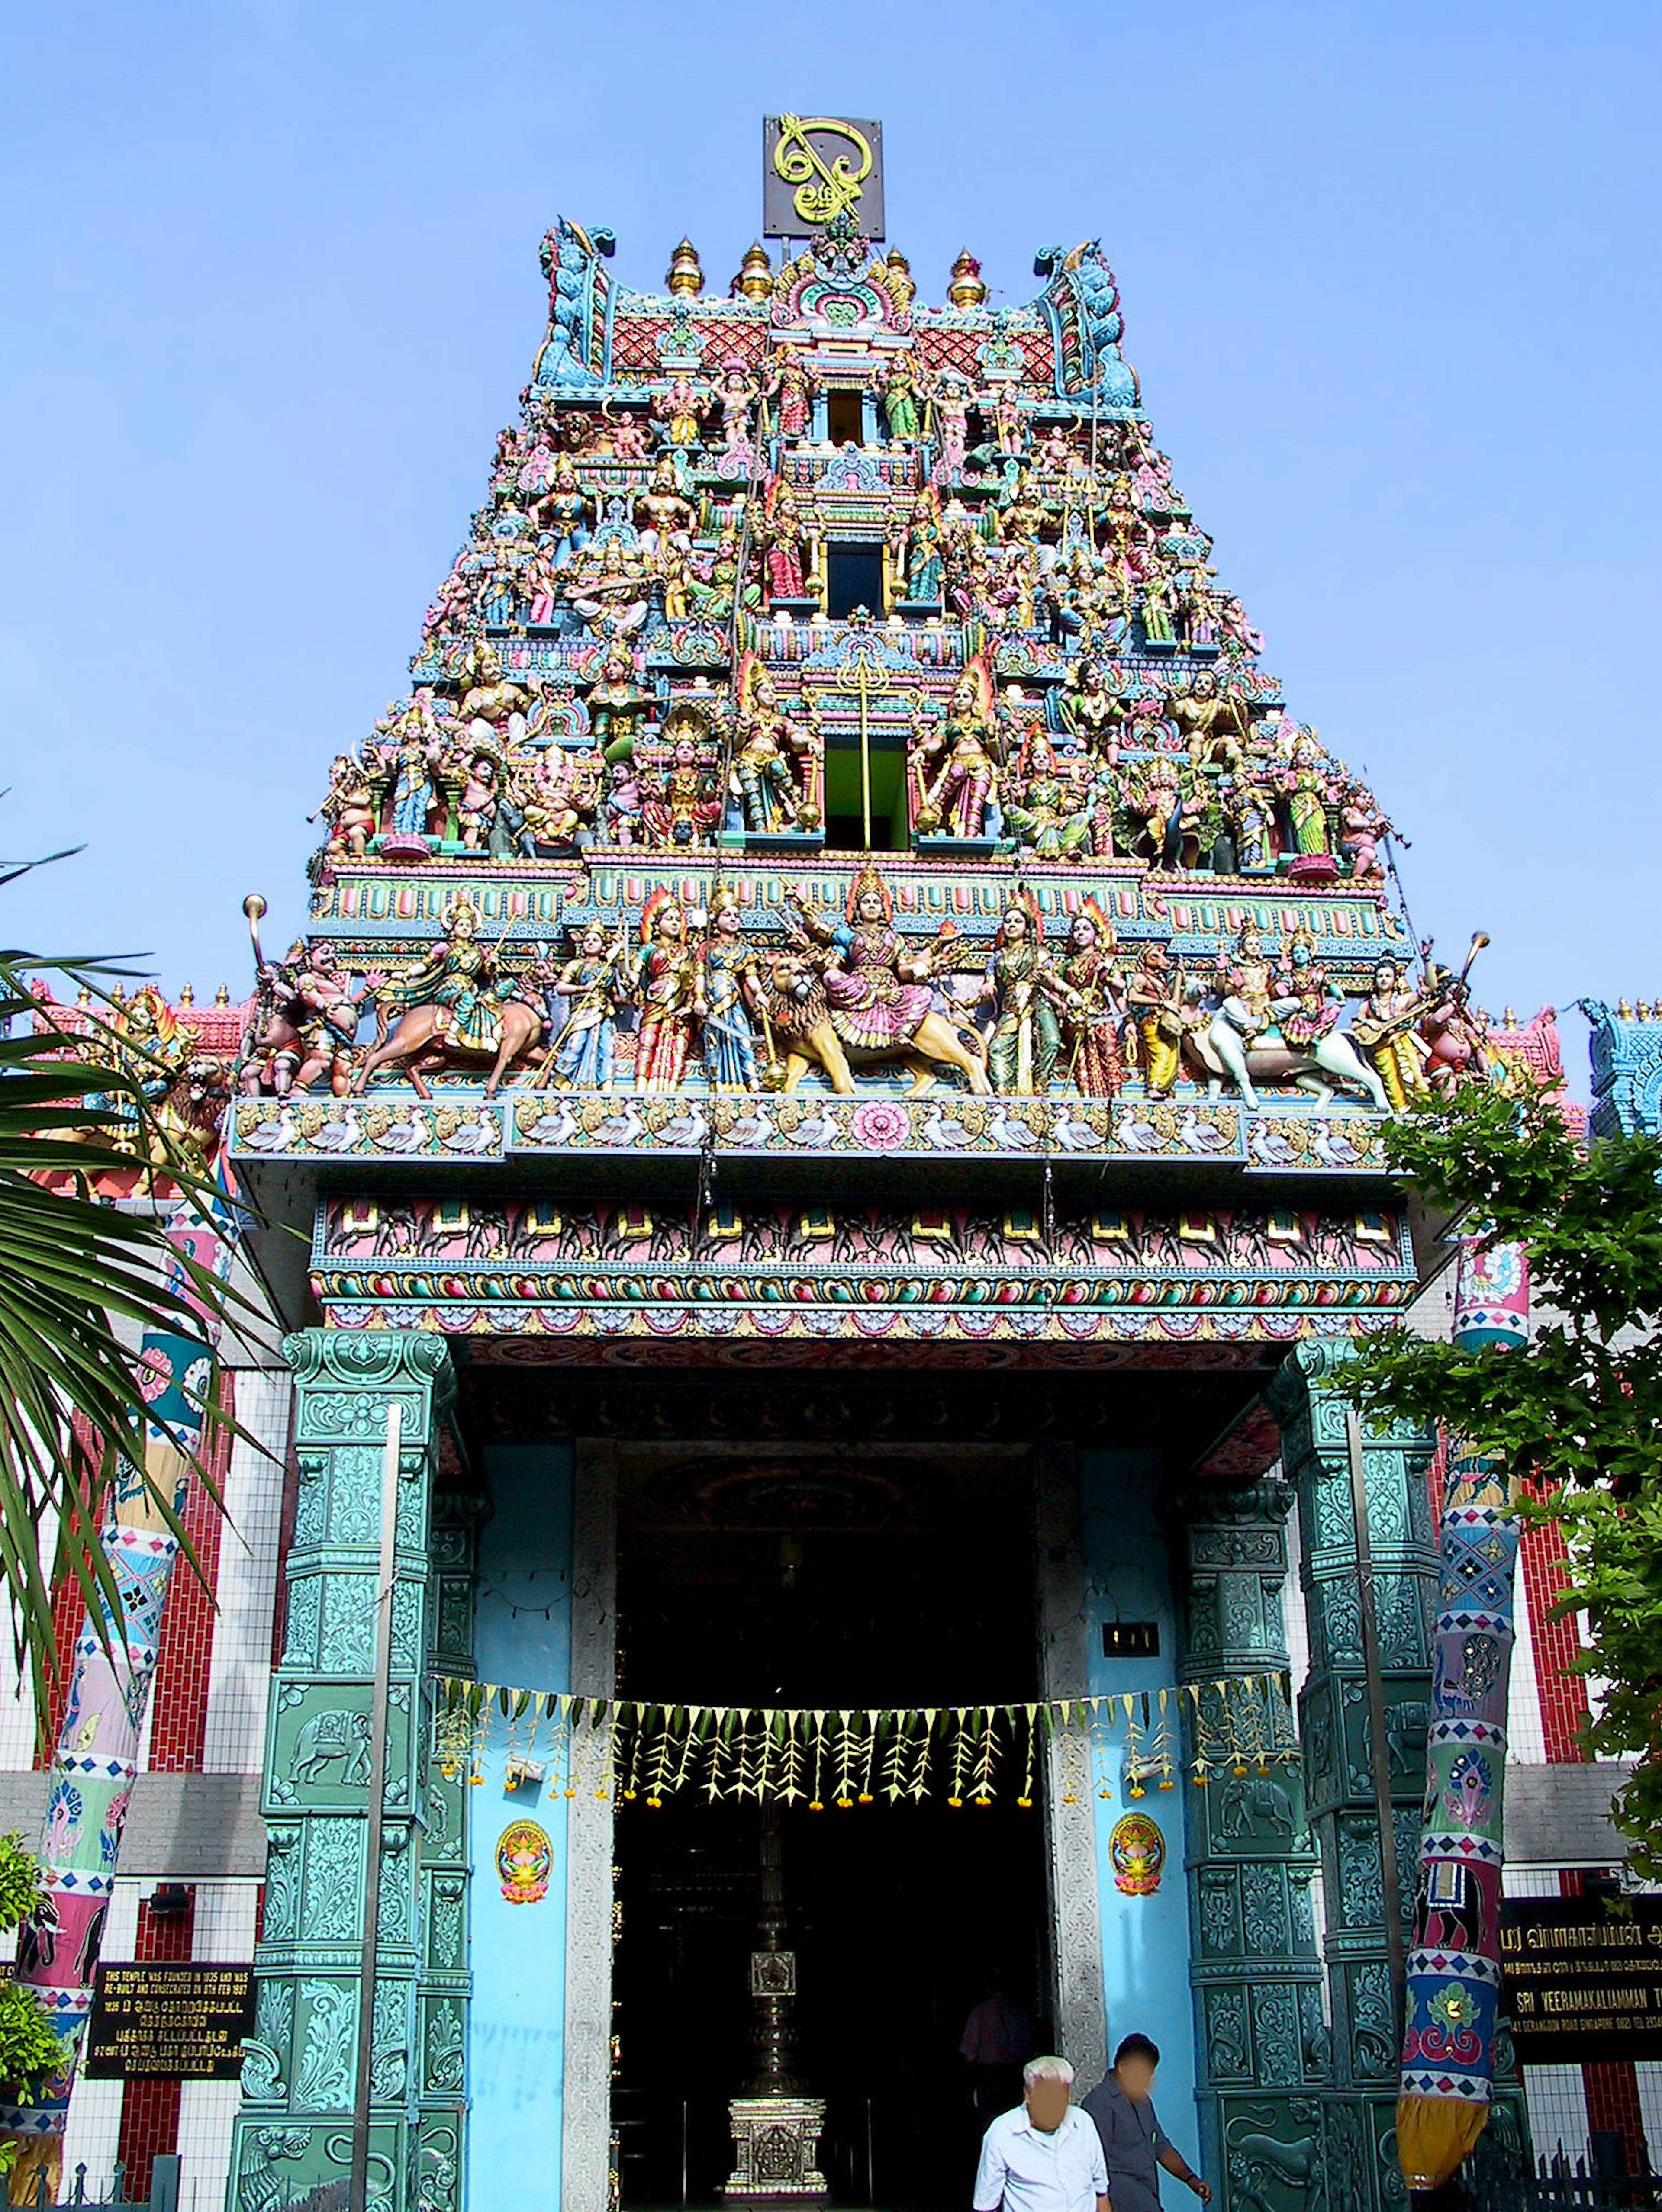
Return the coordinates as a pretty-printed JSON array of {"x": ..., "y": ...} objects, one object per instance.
[
  {"x": 293, "y": 2131},
  {"x": 1308, "y": 1399},
  {"x": 1262, "y": 2045},
  {"x": 586, "y": 2146}
]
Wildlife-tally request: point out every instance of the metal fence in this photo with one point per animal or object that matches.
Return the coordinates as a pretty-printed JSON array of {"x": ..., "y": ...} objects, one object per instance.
[
  {"x": 90, "y": 2197},
  {"x": 1593, "y": 2180}
]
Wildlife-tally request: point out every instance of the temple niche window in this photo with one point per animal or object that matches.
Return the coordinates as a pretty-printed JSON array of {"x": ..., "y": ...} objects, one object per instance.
[
  {"x": 853, "y": 578},
  {"x": 844, "y": 424}
]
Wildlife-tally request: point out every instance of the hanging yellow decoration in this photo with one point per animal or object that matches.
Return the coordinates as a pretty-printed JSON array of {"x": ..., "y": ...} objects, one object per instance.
[{"x": 633, "y": 1750}]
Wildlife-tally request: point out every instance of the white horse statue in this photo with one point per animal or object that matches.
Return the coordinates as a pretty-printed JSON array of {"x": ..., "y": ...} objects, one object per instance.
[{"x": 1234, "y": 1047}]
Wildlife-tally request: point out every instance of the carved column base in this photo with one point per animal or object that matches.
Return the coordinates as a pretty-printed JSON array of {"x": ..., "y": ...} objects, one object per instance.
[{"x": 776, "y": 2147}]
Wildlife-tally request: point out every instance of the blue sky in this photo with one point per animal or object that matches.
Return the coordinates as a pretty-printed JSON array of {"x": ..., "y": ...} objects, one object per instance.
[{"x": 1389, "y": 274}]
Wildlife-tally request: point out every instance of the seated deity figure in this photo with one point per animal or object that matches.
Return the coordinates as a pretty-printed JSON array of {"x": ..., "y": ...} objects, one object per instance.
[
  {"x": 1050, "y": 814},
  {"x": 663, "y": 514},
  {"x": 612, "y": 593}
]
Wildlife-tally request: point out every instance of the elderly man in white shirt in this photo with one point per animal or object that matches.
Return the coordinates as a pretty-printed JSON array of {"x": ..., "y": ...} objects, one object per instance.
[{"x": 1046, "y": 2156}]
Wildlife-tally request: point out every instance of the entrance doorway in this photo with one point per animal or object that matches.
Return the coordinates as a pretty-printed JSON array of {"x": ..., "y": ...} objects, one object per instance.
[{"x": 824, "y": 1584}]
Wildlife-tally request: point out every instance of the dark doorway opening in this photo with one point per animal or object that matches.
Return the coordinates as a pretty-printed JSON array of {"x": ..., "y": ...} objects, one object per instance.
[
  {"x": 853, "y": 578},
  {"x": 825, "y": 1584},
  {"x": 843, "y": 418}
]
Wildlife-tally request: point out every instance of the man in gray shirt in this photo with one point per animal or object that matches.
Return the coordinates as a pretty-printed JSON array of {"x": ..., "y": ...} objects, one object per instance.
[{"x": 1134, "y": 2144}]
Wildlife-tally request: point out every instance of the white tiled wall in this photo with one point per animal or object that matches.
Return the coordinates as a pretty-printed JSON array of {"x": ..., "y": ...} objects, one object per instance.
[
  {"x": 248, "y": 1579},
  {"x": 94, "y": 2135},
  {"x": 223, "y": 1929}
]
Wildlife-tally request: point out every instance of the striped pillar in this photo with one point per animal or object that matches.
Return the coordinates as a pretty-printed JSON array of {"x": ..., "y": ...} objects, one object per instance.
[
  {"x": 97, "y": 1753},
  {"x": 1454, "y": 1966}
]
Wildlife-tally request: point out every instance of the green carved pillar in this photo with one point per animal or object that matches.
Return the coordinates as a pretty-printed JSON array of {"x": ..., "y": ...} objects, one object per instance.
[
  {"x": 1309, "y": 1402},
  {"x": 1262, "y": 2048},
  {"x": 294, "y": 2130}
]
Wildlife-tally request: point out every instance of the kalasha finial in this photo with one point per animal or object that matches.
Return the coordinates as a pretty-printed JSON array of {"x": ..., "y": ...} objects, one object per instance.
[
  {"x": 967, "y": 289},
  {"x": 755, "y": 277},
  {"x": 1624, "y": 1009},
  {"x": 222, "y": 996},
  {"x": 686, "y": 277},
  {"x": 898, "y": 278},
  {"x": 188, "y": 995}
]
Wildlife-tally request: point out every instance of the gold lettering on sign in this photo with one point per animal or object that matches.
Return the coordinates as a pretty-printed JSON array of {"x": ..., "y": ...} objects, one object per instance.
[{"x": 823, "y": 190}]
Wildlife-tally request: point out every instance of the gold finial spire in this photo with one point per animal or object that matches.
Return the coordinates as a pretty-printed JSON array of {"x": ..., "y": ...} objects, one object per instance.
[
  {"x": 898, "y": 278},
  {"x": 967, "y": 289},
  {"x": 686, "y": 277},
  {"x": 222, "y": 996},
  {"x": 755, "y": 277}
]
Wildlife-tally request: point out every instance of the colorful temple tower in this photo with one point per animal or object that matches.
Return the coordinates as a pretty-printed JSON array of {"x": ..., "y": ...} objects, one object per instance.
[{"x": 866, "y": 1175}]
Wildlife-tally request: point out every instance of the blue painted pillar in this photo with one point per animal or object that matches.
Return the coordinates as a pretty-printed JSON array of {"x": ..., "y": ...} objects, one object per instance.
[
  {"x": 1145, "y": 1929},
  {"x": 517, "y": 2026}
]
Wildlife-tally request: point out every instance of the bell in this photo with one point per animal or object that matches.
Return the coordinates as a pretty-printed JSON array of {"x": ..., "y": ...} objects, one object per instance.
[
  {"x": 967, "y": 289},
  {"x": 686, "y": 277},
  {"x": 755, "y": 277}
]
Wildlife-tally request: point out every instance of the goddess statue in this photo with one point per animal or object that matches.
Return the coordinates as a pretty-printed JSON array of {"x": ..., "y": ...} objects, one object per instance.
[
  {"x": 617, "y": 706},
  {"x": 584, "y": 1054},
  {"x": 668, "y": 985},
  {"x": 925, "y": 567},
  {"x": 1304, "y": 783},
  {"x": 1093, "y": 1006},
  {"x": 1385, "y": 1028},
  {"x": 1021, "y": 983},
  {"x": 791, "y": 385},
  {"x": 679, "y": 807},
  {"x": 729, "y": 962},
  {"x": 782, "y": 539},
  {"x": 899, "y": 389},
  {"x": 1050, "y": 817},
  {"x": 612, "y": 594},
  {"x": 1091, "y": 713},
  {"x": 680, "y": 411}
]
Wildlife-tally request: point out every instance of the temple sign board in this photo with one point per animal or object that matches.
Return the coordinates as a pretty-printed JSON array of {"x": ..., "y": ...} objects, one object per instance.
[{"x": 816, "y": 168}]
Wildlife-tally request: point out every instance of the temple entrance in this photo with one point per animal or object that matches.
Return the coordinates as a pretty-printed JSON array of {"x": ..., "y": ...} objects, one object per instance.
[{"x": 824, "y": 1582}]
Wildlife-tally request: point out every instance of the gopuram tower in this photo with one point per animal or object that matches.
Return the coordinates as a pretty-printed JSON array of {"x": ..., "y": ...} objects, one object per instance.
[{"x": 835, "y": 1076}]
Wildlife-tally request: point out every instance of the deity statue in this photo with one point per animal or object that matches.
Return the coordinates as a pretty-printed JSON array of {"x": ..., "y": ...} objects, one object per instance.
[
  {"x": 1155, "y": 795},
  {"x": 1023, "y": 518},
  {"x": 617, "y": 706},
  {"x": 778, "y": 767},
  {"x": 1020, "y": 982},
  {"x": 736, "y": 392},
  {"x": 450, "y": 1006},
  {"x": 899, "y": 389},
  {"x": 679, "y": 807},
  {"x": 351, "y": 808},
  {"x": 925, "y": 566},
  {"x": 729, "y": 961},
  {"x": 1155, "y": 997},
  {"x": 953, "y": 775},
  {"x": 1362, "y": 826},
  {"x": 1092, "y": 1006},
  {"x": 557, "y": 793},
  {"x": 878, "y": 994},
  {"x": 1305, "y": 784},
  {"x": 310, "y": 1018},
  {"x": 611, "y": 594},
  {"x": 486, "y": 812},
  {"x": 667, "y": 984},
  {"x": 561, "y": 514},
  {"x": 663, "y": 513},
  {"x": 1049, "y": 814},
  {"x": 415, "y": 805},
  {"x": 791, "y": 385},
  {"x": 1309, "y": 1003},
  {"x": 680, "y": 411},
  {"x": 593, "y": 983},
  {"x": 949, "y": 397},
  {"x": 1385, "y": 1029},
  {"x": 1211, "y": 724},
  {"x": 1009, "y": 422},
  {"x": 782, "y": 539},
  {"x": 1091, "y": 713},
  {"x": 492, "y": 698},
  {"x": 712, "y": 588}
]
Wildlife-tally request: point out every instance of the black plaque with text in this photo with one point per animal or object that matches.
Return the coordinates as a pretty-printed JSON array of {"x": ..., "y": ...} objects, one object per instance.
[
  {"x": 1581, "y": 1978},
  {"x": 183, "y": 2023},
  {"x": 817, "y": 167}
]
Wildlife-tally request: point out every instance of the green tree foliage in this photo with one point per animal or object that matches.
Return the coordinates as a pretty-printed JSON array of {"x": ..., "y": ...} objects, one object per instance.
[
  {"x": 28, "y": 2048},
  {"x": 1578, "y": 1413},
  {"x": 79, "y": 1284}
]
